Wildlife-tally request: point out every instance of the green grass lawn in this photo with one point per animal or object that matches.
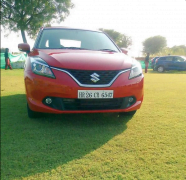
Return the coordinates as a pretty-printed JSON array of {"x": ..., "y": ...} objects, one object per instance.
[{"x": 149, "y": 145}]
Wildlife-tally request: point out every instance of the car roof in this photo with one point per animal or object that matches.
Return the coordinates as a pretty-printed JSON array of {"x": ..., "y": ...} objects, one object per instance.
[
  {"x": 66, "y": 27},
  {"x": 171, "y": 56}
]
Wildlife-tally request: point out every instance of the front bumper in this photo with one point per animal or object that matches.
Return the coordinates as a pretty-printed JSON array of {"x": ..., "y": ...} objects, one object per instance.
[{"x": 64, "y": 90}]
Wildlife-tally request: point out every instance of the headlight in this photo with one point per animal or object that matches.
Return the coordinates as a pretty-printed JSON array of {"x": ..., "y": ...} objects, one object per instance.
[
  {"x": 136, "y": 71},
  {"x": 40, "y": 67}
]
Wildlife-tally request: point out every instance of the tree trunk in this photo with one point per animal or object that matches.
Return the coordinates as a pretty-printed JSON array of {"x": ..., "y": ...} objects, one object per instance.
[{"x": 23, "y": 36}]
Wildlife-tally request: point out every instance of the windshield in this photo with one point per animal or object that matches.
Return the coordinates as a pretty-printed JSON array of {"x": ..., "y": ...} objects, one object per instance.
[
  {"x": 184, "y": 57},
  {"x": 75, "y": 39}
]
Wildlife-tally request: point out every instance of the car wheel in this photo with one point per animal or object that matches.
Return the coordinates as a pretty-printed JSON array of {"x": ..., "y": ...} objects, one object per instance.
[
  {"x": 130, "y": 113},
  {"x": 160, "y": 69},
  {"x": 31, "y": 114}
]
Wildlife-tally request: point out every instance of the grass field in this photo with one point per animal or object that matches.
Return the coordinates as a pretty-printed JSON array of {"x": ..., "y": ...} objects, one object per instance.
[{"x": 149, "y": 145}]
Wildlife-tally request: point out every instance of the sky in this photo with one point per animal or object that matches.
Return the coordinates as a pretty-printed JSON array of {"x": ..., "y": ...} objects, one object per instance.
[{"x": 139, "y": 19}]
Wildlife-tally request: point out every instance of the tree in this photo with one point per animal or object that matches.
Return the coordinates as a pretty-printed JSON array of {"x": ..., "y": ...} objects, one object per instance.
[
  {"x": 30, "y": 15},
  {"x": 175, "y": 50},
  {"x": 120, "y": 39},
  {"x": 154, "y": 44},
  {"x": 178, "y": 50}
]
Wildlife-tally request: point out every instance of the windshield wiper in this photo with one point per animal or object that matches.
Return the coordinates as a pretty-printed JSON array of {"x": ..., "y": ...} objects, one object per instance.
[
  {"x": 111, "y": 50},
  {"x": 74, "y": 48}
]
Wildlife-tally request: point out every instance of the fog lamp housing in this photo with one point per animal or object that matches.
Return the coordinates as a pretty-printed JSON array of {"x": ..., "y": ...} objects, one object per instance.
[
  {"x": 48, "y": 100},
  {"x": 131, "y": 99}
]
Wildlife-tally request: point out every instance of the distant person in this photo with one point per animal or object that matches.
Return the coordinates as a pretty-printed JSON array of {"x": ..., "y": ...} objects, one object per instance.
[
  {"x": 7, "y": 60},
  {"x": 146, "y": 62}
]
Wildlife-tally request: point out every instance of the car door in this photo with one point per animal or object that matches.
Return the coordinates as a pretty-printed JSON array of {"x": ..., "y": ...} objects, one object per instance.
[
  {"x": 170, "y": 63},
  {"x": 180, "y": 63}
]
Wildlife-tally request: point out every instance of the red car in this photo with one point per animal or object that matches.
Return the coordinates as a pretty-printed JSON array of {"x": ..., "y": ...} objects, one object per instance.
[{"x": 80, "y": 71}]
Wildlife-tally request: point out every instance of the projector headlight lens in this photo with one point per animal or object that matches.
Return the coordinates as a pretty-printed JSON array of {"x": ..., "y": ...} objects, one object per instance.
[
  {"x": 136, "y": 71},
  {"x": 40, "y": 67}
]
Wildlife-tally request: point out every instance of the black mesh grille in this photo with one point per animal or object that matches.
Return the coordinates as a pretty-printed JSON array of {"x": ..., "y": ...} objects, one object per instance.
[
  {"x": 92, "y": 104},
  {"x": 84, "y": 76}
]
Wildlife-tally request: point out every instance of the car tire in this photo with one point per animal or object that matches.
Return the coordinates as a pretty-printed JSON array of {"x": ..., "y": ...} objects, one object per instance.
[
  {"x": 160, "y": 69},
  {"x": 31, "y": 114},
  {"x": 130, "y": 113}
]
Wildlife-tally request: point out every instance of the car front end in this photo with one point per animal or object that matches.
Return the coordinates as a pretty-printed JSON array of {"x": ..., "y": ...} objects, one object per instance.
[{"x": 74, "y": 80}]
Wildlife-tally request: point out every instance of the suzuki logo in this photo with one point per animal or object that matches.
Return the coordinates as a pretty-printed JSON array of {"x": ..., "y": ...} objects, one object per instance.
[{"x": 94, "y": 77}]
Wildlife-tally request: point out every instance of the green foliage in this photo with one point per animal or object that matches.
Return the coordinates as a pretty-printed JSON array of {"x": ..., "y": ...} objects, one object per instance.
[
  {"x": 175, "y": 50},
  {"x": 121, "y": 40},
  {"x": 30, "y": 15},
  {"x": 154, "y": 44}
]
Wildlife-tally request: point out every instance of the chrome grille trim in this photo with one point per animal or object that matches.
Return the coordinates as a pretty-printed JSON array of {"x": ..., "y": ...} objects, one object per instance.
[{"x": 88, "y": 85}]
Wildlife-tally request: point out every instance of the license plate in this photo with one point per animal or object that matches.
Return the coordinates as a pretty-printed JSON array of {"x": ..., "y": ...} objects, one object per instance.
[{"x": 95, "y": 94}]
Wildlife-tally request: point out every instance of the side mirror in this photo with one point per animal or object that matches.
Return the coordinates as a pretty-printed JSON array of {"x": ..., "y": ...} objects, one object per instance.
[
  {"x": 24, "y": 47},
  {"x": 125, "y": 51}
]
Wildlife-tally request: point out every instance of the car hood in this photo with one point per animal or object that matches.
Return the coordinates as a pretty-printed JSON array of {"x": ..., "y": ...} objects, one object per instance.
[{"x": 84, "y": 59}]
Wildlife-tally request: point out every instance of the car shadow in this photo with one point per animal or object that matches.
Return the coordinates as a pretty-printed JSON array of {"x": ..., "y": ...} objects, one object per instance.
[{"x": 31, "y": 146}]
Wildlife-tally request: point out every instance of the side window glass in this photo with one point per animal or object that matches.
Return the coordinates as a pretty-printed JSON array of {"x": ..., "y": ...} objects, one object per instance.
[
  {"x": 175, "y": 59},
  {"x": 162, "y": 58},
  {"x": 180, "y": 59},
  {"x": 169, "y": 58}
]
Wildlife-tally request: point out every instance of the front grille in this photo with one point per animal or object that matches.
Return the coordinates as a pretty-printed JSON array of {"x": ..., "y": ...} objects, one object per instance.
[{"x": 84, "y": 76}]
